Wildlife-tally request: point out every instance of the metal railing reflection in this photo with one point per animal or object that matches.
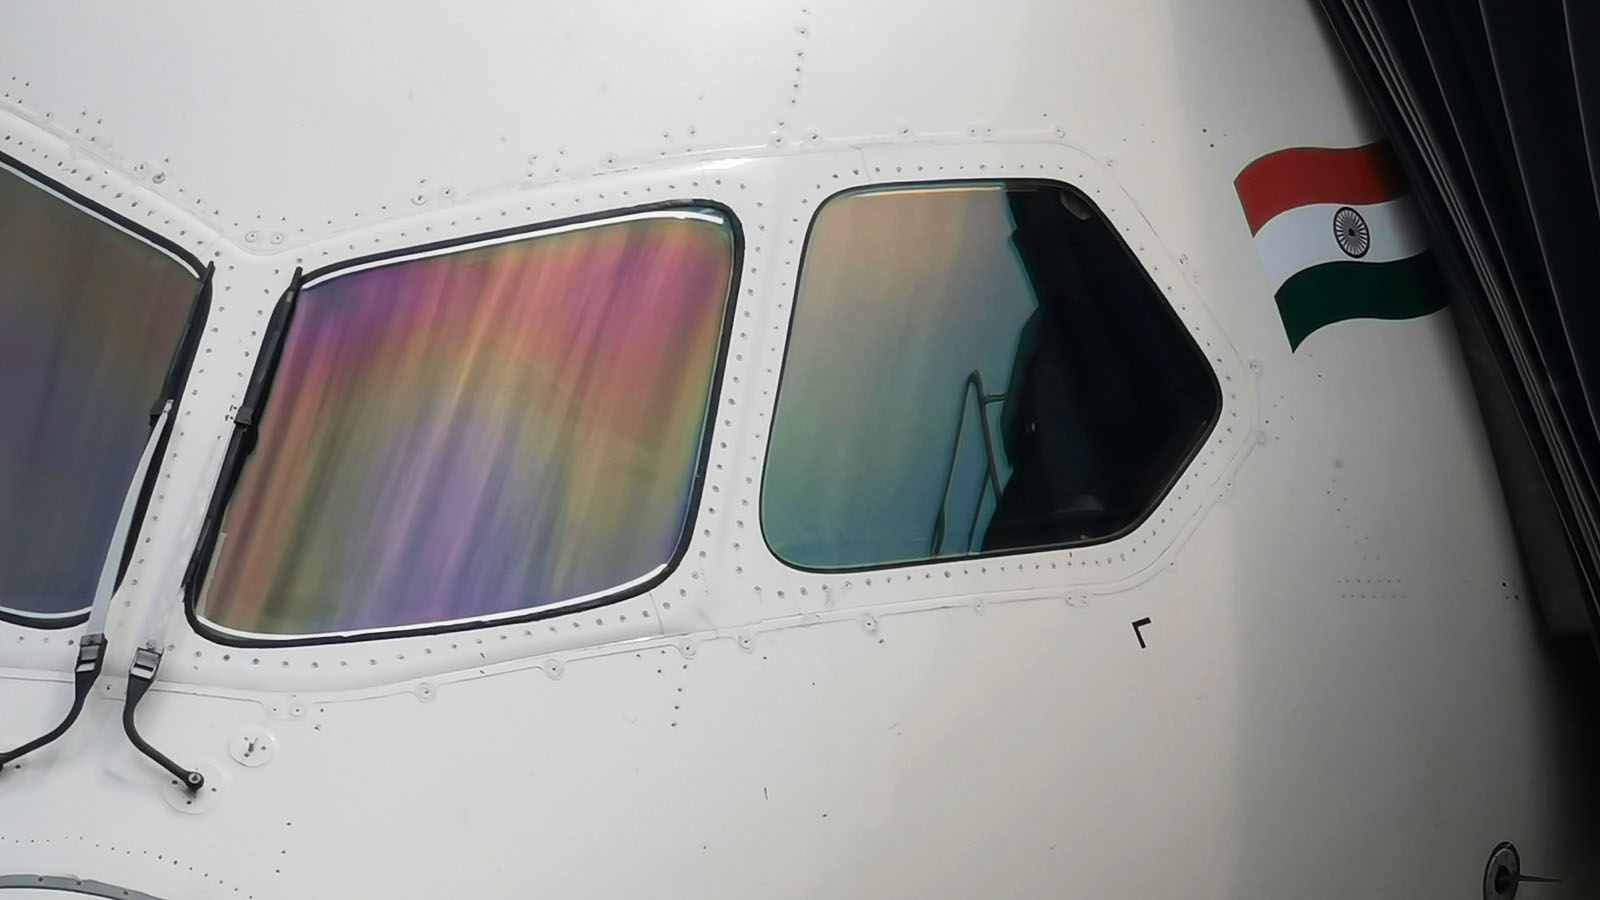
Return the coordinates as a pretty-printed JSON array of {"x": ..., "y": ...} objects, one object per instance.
[{"x": 972, "y": 385}]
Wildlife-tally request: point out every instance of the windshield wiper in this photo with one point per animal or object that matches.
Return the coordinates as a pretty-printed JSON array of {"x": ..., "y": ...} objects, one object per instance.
[
  {"x": 246, "y": 420},
  {"x": 124, "y": 537}
]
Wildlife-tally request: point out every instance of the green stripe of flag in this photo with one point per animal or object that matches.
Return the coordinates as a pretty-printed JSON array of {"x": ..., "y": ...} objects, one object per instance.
[{"x": 1335, "y": 291}]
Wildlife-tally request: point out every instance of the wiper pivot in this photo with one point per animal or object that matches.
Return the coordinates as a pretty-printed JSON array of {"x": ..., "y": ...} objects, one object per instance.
[{"x": 140, "y": 676}]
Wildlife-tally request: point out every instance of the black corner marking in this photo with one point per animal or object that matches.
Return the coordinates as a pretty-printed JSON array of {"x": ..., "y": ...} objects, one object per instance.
[{"x": 1138, "y": 624}]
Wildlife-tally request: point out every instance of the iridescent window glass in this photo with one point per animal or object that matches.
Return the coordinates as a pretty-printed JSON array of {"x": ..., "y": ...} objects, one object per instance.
[
  {"x": 480, "y": 431},
  {"x": 90, "y": 315}
]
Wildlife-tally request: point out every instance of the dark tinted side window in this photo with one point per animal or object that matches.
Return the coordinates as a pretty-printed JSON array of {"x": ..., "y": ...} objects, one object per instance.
[{"x": 974, "y": 368}]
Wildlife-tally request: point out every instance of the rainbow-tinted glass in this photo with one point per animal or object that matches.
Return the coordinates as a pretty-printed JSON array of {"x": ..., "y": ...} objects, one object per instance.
[
  {"x": 89, "y": 319},
  {"x": 493, "y": 429}
]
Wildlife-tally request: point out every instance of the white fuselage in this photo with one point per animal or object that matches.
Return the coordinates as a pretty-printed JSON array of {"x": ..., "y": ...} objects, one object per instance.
[{"x": 1341, "y": 689}]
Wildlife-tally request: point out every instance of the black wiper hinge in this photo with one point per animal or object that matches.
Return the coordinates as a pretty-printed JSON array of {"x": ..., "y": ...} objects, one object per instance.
[
  {"x": 141, "y": 675},
  {"x": 91, "y": 659}
]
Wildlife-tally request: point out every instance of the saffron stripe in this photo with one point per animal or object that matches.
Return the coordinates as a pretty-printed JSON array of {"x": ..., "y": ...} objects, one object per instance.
[
  {"x": 1336, "y": 291},
  {"x": 1298, "y": 176}
]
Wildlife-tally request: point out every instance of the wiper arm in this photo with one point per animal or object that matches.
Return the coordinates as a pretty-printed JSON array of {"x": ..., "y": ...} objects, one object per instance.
[
  {"x": 91, "y": 659},
  {"x": 92, "y": 646},
  {"x": 147, "y": 658},
  {"x": 141, "y": 675}
]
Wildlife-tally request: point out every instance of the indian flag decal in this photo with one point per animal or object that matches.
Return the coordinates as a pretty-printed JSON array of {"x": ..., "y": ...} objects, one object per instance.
[{"x": 1338, "y": 237}]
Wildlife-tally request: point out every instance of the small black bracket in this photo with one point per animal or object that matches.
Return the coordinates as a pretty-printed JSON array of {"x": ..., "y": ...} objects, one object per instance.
[{"x": 1138, "y": 624}]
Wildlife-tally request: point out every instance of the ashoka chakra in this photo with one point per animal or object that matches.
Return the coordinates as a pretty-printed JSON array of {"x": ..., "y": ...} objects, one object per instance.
[{"x": 1350, "y": 230}]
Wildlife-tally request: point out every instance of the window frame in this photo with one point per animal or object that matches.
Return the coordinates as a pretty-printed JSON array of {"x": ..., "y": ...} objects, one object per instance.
[
  {"x": 1202, "y": 438},
  {"x": 161, "y": 244},
  {"x": 198, "y": 575}
]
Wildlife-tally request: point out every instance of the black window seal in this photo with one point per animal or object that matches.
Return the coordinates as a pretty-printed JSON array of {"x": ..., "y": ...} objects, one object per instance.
[
  {"x": 199, "y": 564},
  {"x": 1020, "y": 182},
  {"x": 161, "y": 242},
  {"x": 178, "y": 367}
]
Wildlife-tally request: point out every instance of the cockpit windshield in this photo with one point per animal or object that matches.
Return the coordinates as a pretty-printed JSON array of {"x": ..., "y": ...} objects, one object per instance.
[
  {"x": 90, "y": 313},
  {"x": 478, "y": 430}
]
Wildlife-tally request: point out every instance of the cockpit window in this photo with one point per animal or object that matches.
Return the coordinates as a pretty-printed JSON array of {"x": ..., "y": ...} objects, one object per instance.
[
  {"x": 90, "y": 314},
  {"x": 478, "y": 431},
  {"x": 974, "y": 368}
]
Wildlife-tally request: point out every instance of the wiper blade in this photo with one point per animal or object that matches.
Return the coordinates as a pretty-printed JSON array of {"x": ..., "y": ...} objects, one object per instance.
[
  {"x": 188, "y": 345},
  {"x": 171, "y": 395},
  {"x": 246, "y": 421}
]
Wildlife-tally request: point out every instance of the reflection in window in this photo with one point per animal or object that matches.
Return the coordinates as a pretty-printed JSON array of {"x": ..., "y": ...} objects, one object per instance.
[
  {"x": 490, "y": 430},
  {"x": 974, "y": 368},
  {"x": 89, "y": 318}
]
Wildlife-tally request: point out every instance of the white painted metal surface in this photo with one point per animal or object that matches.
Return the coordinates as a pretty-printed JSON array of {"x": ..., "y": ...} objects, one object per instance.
[{"x": 1343, "y": 692}]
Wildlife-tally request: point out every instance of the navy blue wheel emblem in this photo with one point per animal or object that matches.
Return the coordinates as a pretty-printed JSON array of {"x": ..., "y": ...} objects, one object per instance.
[{"x": 1350, "y": 230}]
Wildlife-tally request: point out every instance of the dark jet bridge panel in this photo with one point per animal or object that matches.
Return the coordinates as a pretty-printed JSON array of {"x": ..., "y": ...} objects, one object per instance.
[{"x": 1494, "y": 110}]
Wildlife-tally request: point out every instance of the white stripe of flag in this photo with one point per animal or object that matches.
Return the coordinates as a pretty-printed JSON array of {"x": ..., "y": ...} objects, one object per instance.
[{"x": 1299, "y": 238}]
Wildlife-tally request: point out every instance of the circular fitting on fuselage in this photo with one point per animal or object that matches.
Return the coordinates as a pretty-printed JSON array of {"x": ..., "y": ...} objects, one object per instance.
[{"x": 1503, "y": 874}]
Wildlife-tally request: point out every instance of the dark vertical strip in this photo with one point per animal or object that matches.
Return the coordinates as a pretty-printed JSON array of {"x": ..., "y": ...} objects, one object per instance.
[
  {"x": 1539, "y": 96},
  {"x": 1583, "y": 49},
  {"x": 1490, "y": 108}
]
